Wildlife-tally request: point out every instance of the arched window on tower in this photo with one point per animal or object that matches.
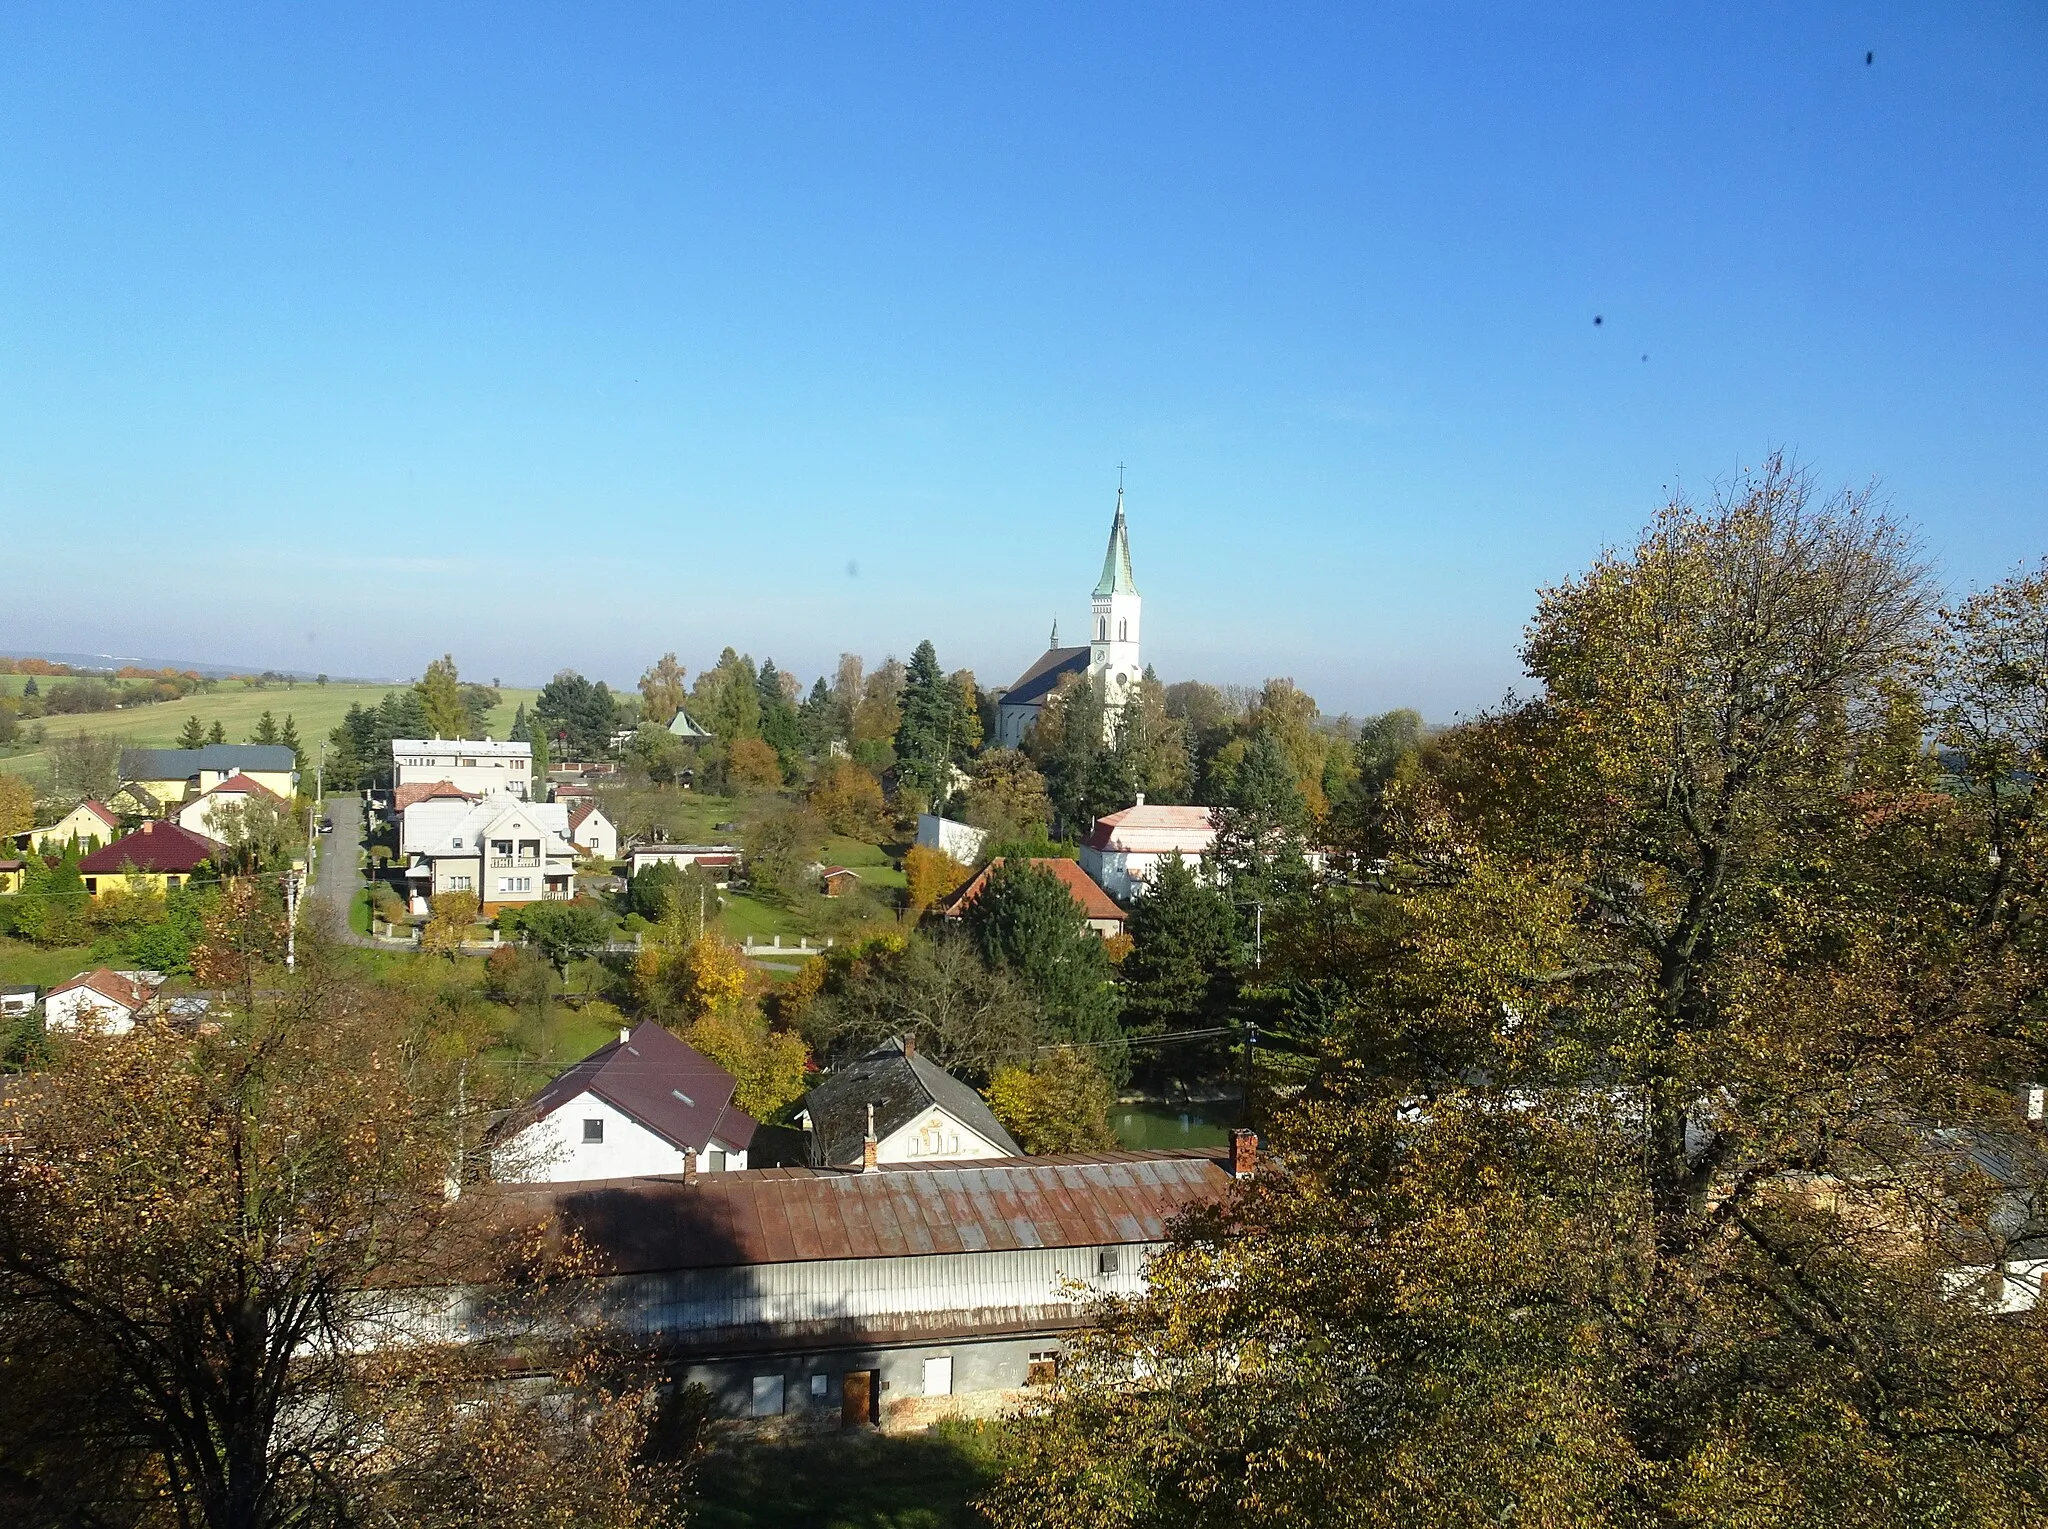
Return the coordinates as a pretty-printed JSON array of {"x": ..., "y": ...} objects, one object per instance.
[
  {"x": 1102, "y": 629},
  {"x": 1123, "y": 631}
]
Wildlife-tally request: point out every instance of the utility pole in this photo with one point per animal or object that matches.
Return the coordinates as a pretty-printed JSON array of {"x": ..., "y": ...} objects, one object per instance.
[{"x": 293, "y": 892}]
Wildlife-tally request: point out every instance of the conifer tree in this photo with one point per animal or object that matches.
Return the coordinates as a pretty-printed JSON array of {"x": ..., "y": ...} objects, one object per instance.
[
  {"x": 780, "y": 727},
  {"x": 194, "y": 735},
  {"x": 266, "y": 729},
  {"x": 440, "y": 693},
  {"x": 218, "y": 733},
  {"x": 926, "y": 736}
]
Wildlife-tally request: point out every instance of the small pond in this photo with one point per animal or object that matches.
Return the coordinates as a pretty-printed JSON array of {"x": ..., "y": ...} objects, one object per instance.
[{"x": 1153, "y": 1127}]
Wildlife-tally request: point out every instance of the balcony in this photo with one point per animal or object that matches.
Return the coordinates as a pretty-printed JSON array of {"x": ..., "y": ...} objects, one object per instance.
[{"x": 516, "y": 862}]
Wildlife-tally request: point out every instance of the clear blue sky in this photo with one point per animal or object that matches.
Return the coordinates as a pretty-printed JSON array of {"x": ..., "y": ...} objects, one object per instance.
[{"x": 338, "y": 337}]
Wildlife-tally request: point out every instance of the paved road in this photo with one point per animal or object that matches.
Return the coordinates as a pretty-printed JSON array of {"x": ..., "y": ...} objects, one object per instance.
[{"x": 338, "y": 875}]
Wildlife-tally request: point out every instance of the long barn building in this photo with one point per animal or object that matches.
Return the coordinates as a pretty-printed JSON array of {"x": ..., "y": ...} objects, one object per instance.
[{"x": 897, "y": 1294}]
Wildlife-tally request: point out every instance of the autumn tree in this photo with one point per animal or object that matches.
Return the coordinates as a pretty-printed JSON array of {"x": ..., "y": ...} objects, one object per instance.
[
  {"x": 1059, "y": 1103},
  {"x": 849, "y": 798},
  {"x": 751, "y": 766},
  {"x": 17, "y": 807},
  {"x": 203, "y": 1248},
  {"x": 929, "y": 874},
  {"x": 661, "y": 690},
  {"x": 1007, "y": 798},
  {"x": 241, "y": 931},
  {"x": 1668, "y": 1164},
  {"x": 452, "y": 915},
  {"x": 84, "y": 765},
  {"x": 934, "y": 989}
]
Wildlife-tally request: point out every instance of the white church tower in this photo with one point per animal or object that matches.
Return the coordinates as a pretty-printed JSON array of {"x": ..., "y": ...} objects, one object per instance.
[{"x": 1113, "y": 647}]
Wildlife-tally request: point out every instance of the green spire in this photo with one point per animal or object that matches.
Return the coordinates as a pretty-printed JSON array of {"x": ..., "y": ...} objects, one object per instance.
[{"x": 1116, "y": 563}]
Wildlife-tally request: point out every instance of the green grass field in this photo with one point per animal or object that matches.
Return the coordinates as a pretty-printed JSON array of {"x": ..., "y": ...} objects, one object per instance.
[
  {"x": 316, "y": 709},
  {"x": 44, "y": 966},
  {"x": 856, "y": 1481}
]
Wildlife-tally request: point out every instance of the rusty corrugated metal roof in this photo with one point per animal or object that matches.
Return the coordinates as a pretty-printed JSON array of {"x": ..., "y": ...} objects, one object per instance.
[{"x": 793, "y": 1215}]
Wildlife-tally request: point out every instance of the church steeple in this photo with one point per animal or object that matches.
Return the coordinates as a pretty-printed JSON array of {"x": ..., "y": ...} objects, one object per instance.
[{"x": 1116, "y": 562}]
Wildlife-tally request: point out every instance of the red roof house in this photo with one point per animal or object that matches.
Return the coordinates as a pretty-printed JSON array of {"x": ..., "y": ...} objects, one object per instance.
[
  {"x": 155, "y": 849},
  {"x": 1103, "y": 915}
]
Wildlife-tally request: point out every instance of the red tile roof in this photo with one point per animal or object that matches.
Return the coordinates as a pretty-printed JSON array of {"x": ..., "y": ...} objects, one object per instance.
[
  {"x": 239, "y": 784},
  {"x": 1094, "y": 902},
  {"x": 1156, "y": 830},
  {"x": 156, "y": 847},
  {"x": 405, "y": 796},
  {"x": 101, "y": 811},
  {"x": 111, "y": 985}
]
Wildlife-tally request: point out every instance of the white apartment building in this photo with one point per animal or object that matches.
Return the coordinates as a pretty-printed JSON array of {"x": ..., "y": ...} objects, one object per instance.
[
  {"x": 480, "y": 766},
  {"x": 501, "y": 848}
]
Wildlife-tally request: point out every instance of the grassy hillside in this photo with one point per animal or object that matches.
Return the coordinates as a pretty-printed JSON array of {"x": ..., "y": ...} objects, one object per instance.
[{"x": 318, "y": 709}]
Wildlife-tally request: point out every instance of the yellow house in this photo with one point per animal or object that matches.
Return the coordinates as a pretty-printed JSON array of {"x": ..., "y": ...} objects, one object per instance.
[
  {"x": 177, "y": 775},
  {"x": 91, "y": 823},
  {"x": 158, "y": 856},
  {"x": 10, "y": 876}
]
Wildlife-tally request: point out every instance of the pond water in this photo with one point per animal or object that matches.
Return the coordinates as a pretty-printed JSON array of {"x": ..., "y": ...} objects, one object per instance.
[{"x": 1154, "y": 1127}]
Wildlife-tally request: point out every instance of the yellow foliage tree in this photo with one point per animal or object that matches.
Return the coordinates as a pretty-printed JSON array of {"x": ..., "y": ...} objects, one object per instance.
[
  {"x": 451, "y": 916},
  {"x": 752, "y": 765},
  {"x": 930, "y": 874},
  {"x": 1058, "y": 1104},
  {"x": 709, "y": 976},
  {"x": 17, "y": 806},
  {"x": 768, "y": 1065},
  {"x": 849, "y": 799}
]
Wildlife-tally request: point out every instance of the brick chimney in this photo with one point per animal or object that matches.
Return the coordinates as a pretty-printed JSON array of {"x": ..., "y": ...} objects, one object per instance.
[
  {"x": 868, "y": 1160},
  {"x": 1244, "y": 1153},
  {"x": 910, "y": 1045}
]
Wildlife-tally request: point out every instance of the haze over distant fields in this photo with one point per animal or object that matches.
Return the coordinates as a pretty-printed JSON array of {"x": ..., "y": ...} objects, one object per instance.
[{"x": 334, "y": 342}]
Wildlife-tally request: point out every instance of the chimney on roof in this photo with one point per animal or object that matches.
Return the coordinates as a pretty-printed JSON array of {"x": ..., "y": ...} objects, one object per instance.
[
  {"x": 624, "y": 1035},
  {"x": 1141, "y": 798},
  {"x": 1244, "y": 1153},
  {"x": 868, "y": 1161},
  {"x": 910, "y": 1045}
]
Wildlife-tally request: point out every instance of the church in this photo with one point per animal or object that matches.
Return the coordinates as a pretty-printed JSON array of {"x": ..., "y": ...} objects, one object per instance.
[{"x": 1110, "y": 659}]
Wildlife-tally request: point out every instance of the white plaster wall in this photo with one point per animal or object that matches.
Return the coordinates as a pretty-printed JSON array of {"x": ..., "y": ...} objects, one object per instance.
[
  {"x": 954, "y": 838},
  {"x": 552, "y": 1150},
  {"x": 82, "y": 1006},
  {"x": 934, "y": 1136}
]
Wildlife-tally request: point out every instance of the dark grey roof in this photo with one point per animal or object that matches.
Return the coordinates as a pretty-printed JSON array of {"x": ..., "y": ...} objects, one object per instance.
[
  {"x": 1043, "y": 677},
  {"x": 175, "y": 764},
  {"x": 901, "y": 1086},
  {"x": 663, "y": 1082}
]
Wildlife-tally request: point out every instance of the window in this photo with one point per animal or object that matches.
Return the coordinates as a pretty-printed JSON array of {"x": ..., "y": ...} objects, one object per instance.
[
  {"x": 717, "y": 1156},
  {"x": 1102, "y": 628},
  {"x": 1123, "y": 631},
  {"x": 170, "y": 883},
  {"x": 92, "y": 884},
  {"x": 820, "y": 1385},
  {"x": 1041, "y": 1369},
  {"x": 504, "y": 883},
  {"x": 938, "y": 1376},
  {"x": 767, "y": 1396},
  {"x": 593, "y": 1130}
]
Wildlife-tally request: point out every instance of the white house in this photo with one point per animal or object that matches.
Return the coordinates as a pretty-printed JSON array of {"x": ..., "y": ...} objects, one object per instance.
[
  {"x": 962, "y": 841},
  {"x": 235, "y": 791},
  {"x": 592, "y": 832},
  {"x": 103, "y": 1000},
  {"x": 721, "y": 860},
  {"x": 646, "y": 1104},
  {"x": 1123, "y": 852},
  {"x": 503, "y": 848},
  {"x": 480, "y": 766},
  {"x": 17, "y": 999},
  {"x": 906, "y": 1108}
]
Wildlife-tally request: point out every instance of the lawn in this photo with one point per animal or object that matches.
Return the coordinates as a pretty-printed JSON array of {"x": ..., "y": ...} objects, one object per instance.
[
  {"x": 45, "y": 967},
  {"x": 871, "y": 861},
  {"x": 853, "y": 1481},
  {"x": 750, "y": 918},
  {"x": 316, "y": 709}
]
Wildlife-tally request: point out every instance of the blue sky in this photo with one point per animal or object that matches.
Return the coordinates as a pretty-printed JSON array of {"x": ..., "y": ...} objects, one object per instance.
[{"x": 568, "y": 335}]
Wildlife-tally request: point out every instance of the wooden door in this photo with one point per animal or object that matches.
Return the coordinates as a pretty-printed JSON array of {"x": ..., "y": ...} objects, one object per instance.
[{"x": 857, "y": 1398}]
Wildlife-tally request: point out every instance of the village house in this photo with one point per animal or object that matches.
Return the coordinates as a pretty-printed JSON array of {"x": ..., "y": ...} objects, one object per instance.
[
  {"x": 894, "y": 1106},
  {"x": 236, "y": 791},
  {"x": 1103, "y": 915},
  {"x": 504, "y": 849},
  {"x": 720, "y": 860},
  {"x": 171, "y": 776},
  {"x": 12, "y": 873},
  {"x": 1125, "y": 849},
  {"x": 158, "y": 857},
  {"x": 962, "y": 841},
  {"x": 592, "y": 832},
  {"x": 480, "y": 766},
  {"x": 103, "y": 1000},
  {"x": 17, "y": 999},
  {"x": 649, "y": 1103},
  {"x": 899, "y": 1296},
  {"x": 90, "y": 824}
]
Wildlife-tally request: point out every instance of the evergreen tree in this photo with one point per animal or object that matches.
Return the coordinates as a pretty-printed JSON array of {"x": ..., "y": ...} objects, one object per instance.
[
  {"x": 818, "y": 720},
  {"x": 727, "y": 698},
  {"x": 266, "y": 729},
  {"x": 780, "y": 727},
  {"x": 570, "y": 707},
  {"x": 288, "y": 735},
  {"x": 217, "y": 733},
  {"x": 1260, "y": 833},
  {"x": 1025, "y": 919},
  {"x": 30, "y": 687},
  {"x": 194, "y": 735},
  {"x": 929, "y": 727},
  {"x": 521, "y": 728},
  {"x": 1067, "y": 747},
  {"x": 1183, "y": 943}
]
